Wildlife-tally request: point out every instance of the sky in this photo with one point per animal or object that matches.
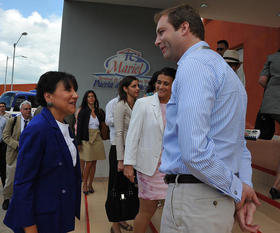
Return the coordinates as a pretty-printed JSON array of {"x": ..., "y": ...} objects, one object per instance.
[{"x": 40, "y": 47}]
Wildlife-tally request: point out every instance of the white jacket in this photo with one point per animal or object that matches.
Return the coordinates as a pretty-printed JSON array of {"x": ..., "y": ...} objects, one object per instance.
[{"x": 143, "y": 144}]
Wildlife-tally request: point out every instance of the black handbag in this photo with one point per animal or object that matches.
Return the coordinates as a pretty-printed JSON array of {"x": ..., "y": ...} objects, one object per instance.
[
  {"x": 264, "y": 122},
  {"x": 122, "y": 202},
  {"x": 266, "y": 125}
]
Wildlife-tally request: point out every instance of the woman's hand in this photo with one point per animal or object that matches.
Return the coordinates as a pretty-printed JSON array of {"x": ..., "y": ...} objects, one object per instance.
[
  {"x": 120, "y": 165},
  {"x": 129, "y": 172},
  {"x": 31, "y": 229},
  {"x": 80, "y": 147}
]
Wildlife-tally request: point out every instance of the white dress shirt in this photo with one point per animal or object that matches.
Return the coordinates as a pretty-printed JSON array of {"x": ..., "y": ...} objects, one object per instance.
[
  {"x": 93, "y": 123},
  {"x": 64, "y": 128},
  {"x": 109, "y": 120},
  {"x": 23, "y": 122}
]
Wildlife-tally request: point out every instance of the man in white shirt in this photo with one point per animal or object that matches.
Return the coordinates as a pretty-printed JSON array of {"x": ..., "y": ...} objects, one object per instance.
[{"x": 109, "y": 120}]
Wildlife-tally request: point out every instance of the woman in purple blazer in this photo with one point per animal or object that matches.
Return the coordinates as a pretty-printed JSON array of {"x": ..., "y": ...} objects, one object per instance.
[{"x": 47, "y": 187}]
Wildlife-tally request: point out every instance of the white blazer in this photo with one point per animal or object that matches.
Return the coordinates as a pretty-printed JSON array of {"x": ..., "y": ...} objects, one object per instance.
[{"x": 143, "y": 144}]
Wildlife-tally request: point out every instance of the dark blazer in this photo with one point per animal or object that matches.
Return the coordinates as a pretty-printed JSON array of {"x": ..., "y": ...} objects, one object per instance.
[
  {"x": 47, "y": 188},
  {"x": 271, "y": 97},
  {"x": 83, "y": 121}
]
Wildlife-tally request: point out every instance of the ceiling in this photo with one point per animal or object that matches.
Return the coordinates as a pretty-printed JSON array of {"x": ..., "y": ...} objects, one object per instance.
[{"x": 257, "y": 12}]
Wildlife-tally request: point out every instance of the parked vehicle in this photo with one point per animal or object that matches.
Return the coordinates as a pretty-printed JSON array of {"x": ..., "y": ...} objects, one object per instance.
[{"x": 13, "y": 99}]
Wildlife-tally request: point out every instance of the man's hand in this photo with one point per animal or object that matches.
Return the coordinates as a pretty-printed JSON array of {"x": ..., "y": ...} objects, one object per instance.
[
  {"x": 120, "y": 165},
  {"x": 248, "y": 195},
  {"x": 129, "y": 172},
  {"x": 244, "y": 217}
]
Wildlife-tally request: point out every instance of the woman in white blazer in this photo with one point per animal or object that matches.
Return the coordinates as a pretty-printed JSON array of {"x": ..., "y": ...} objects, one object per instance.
[{"x": 143, "y": 148}]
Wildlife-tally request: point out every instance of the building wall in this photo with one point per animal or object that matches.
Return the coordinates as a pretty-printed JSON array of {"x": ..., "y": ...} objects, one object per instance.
[
  {"x": 258, "y": 42},
  {"x": 93, "y": 32},
  {"x": 18, "y": 87}
]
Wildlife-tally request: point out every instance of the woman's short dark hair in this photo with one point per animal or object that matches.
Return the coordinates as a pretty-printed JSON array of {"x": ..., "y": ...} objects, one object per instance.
[
  {"x": 85, "y": 101},
  {"x": 183, "y": 13},
  {"x": 168, "y": 71},
  {"x": 48, "y": 83},
  {"x": 151, "y": 84},
  {"x": 125, "y": 82}
]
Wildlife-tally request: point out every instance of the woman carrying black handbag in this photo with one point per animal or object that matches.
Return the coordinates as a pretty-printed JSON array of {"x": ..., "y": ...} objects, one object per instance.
[{"x": 122, "y": 202}]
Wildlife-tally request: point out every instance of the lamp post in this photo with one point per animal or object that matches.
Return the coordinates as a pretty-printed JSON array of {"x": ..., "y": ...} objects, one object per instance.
[
  {"x": 13, "y": 67},
  {"x": 6, "y": 74},
  {"x": 7, "y": 61}
]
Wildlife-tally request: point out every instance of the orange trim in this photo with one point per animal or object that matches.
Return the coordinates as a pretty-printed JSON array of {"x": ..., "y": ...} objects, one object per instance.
[
  {"x": 87, "y": 216},
  {"x": 154, "y": 230},
  {"x": 268, "y": 200},
  {"x": 265, "y": 170}
]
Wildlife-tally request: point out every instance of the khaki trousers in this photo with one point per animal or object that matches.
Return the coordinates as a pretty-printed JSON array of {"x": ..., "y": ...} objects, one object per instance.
[
  {"x": 196, "y": 208},
  {"x": 8, "y": 188}
]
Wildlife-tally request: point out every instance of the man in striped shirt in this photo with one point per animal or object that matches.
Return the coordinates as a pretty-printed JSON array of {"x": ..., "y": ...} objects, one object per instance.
[{"x": 205, "y": 157}]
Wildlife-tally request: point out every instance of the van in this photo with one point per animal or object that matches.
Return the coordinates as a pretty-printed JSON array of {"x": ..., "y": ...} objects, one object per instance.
[{"x": 13, "y": 99}]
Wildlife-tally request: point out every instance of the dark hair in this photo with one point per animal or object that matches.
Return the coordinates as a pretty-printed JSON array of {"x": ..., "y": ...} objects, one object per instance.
[
  {"x": 3, "y": 103},
  {"x": 171, "y": 72},
  {"x": 85, "y": 102},
  {"x": 223, "y": 42},
  {"x": 48, "y": 82},
  {"x": 151, "y": 83},
  {"x": 183, "y": 13},
  {"x": 125, "y": 82},
  {"x": 168, "y": 71}
]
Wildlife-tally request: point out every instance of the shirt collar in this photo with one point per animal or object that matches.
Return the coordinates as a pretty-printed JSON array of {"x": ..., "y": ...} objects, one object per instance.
[
  {"x": 192, "y": 49},
  {"x": 23, "y": 118}
]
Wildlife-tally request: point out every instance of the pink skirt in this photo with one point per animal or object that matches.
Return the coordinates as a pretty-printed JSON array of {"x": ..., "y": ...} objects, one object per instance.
[{"x": 151, "y": 187}]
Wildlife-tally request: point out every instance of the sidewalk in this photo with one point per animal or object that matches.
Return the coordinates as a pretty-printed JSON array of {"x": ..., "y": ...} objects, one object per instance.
[{"x": 3, "y": 228}]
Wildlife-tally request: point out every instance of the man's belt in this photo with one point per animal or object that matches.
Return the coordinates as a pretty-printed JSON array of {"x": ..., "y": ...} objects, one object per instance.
[
  {"x": 184, "y": 179},
  {"x": 181, "y": 179}
]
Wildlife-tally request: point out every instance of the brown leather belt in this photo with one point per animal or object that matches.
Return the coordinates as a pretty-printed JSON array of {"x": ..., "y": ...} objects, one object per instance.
[{"x": 182, "y": 179}]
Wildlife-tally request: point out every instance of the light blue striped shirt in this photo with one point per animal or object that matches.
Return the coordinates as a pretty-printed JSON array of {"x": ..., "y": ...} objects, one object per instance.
[{"x": 204, "y": 134}]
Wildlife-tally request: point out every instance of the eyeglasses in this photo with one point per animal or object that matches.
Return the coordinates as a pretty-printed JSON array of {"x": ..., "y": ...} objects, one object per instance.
[
  {"x": 220, "y": 49},
  {"x": 27, "y": 109}
]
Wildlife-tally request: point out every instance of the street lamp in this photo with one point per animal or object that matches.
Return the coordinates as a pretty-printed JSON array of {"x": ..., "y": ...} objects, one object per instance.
[
  {"x": 7, "y": 60},
  {"x": 13, "y": 67}
]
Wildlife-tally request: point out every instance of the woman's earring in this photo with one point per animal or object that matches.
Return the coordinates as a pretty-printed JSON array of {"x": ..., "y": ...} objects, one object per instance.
[{"x": 49, "y": 104}]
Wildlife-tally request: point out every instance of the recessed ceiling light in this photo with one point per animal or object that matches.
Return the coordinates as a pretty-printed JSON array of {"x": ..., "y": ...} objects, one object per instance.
[{"x": 203, "y": 5}]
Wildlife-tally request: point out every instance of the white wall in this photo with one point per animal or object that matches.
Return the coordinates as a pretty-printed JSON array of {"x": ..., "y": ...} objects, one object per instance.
[{"x": 92, "y": 32}]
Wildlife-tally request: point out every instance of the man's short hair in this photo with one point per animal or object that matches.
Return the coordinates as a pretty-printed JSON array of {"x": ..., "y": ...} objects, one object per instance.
[
  {"x": 183, "y": 13},
  {"x": 223, "y": 42},
  {"x": 3, "y": 103},
  {"x": 24, "y": 102}
]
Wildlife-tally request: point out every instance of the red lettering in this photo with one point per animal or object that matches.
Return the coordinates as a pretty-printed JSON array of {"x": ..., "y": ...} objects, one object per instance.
[
  {"x": 114, "y": 67},
  {"x": 140, "y": 68},
  {"x": 120, "y": 66}
]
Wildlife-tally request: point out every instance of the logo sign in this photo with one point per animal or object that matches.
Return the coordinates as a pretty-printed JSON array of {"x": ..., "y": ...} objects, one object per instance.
[{"x": 125, "y": 62}]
